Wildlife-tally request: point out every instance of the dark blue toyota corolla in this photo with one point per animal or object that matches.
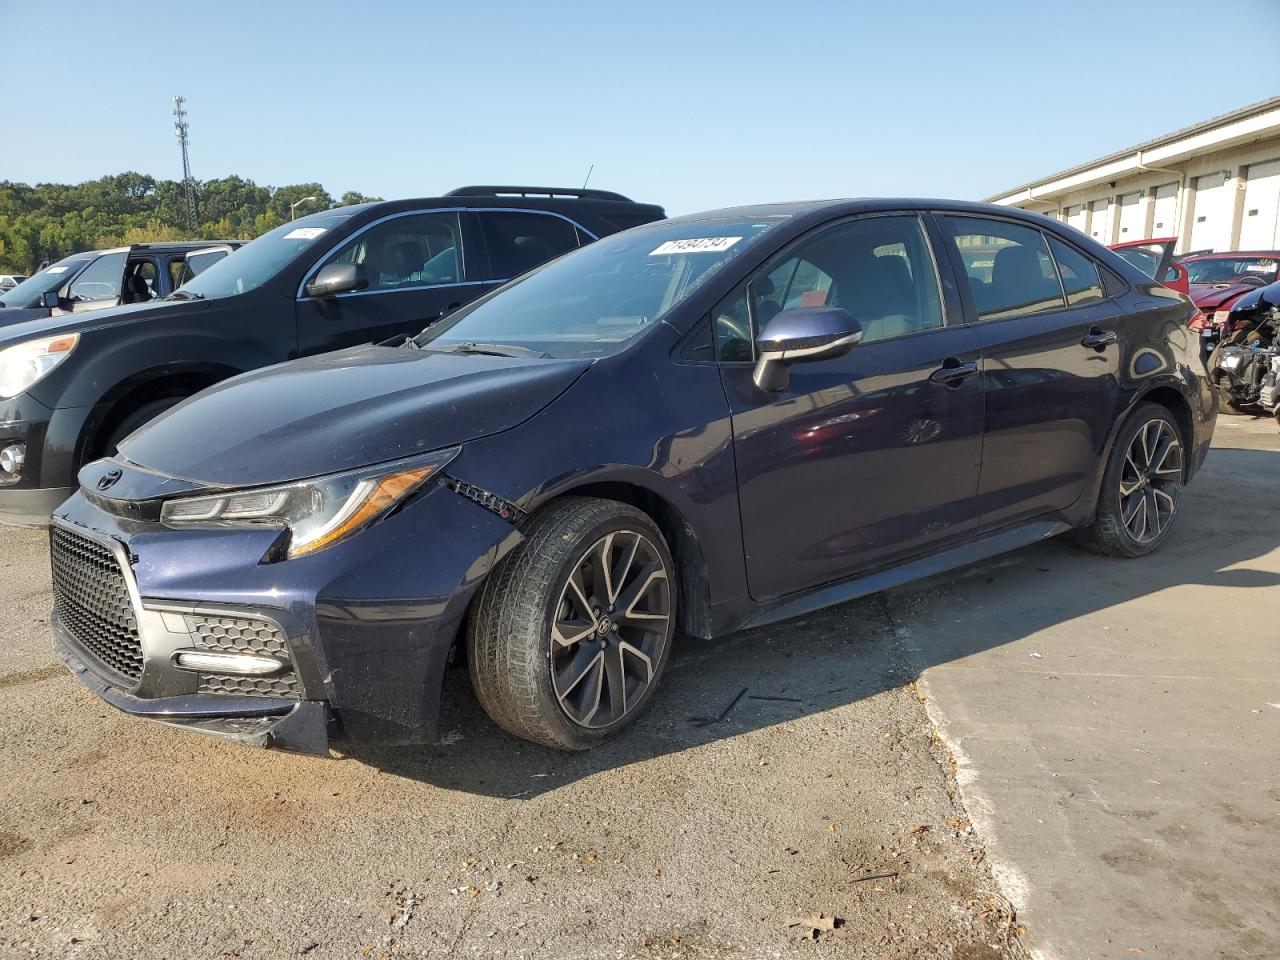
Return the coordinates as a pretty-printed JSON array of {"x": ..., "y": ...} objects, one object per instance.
[{"x": 703, "y": 424}]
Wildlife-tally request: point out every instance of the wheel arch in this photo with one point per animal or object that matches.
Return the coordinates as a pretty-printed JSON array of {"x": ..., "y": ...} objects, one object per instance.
[
  {"x": 691, "y": 565},
  {"x": 1173, "y": 400},
  {"x": 155, "y": 383}
]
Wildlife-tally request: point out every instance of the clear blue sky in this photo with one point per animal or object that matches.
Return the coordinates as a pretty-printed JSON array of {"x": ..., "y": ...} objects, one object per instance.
[{"x": 689, "y": 104}]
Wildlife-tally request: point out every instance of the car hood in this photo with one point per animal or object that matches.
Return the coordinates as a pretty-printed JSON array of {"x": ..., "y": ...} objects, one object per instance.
[
  {"x": 1211, "y": 295},
  {"x": 18, "y": 325},
  {"x": 343, "y": 410}
]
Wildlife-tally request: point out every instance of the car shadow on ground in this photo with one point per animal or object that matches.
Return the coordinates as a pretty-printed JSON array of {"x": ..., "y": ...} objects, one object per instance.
[{"x": 753, "y": 679}]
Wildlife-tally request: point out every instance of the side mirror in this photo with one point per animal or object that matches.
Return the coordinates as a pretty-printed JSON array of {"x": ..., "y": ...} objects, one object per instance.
[
  {"x": 50, "y": 299},
  {"x": 806, "y": 333},
  {"x": 336, "y": 278}
]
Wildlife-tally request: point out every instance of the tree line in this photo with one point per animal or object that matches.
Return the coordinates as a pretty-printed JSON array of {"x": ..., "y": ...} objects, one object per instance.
[{"x": 49, "y": 221}]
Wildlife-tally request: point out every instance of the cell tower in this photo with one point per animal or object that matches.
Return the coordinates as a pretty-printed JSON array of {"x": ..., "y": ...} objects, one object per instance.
[{"x": 181, "y": 127}]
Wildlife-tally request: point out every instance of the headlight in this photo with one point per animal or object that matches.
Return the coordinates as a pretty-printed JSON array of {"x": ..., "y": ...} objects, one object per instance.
[
  {"x": 23, "y": 365},
  {"x": 319, "y": 512}
]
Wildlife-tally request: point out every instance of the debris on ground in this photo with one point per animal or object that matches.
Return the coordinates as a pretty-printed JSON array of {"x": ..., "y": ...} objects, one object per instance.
[{"x": 812, "y": 926}]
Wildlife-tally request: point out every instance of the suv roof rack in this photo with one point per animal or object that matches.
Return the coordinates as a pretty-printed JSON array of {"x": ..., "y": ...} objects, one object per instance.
[{"x": 509, "y": 191}]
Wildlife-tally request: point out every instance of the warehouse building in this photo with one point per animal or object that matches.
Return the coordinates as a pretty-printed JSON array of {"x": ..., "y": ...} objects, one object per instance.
[{"x": 1215, "y": 186}]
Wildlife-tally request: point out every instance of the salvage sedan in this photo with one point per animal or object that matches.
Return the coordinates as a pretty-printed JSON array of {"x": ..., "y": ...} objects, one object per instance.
[{"x": 699, "y": 425}]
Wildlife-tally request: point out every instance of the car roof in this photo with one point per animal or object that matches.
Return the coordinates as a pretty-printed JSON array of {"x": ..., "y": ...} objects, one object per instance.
[
  {"x": 554, "y": 199},
  {"x": 864, "y": 205}
]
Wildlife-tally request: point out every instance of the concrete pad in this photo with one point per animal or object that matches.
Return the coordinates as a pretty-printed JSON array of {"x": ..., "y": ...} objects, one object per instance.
[{"x": 1117, "y": 723}]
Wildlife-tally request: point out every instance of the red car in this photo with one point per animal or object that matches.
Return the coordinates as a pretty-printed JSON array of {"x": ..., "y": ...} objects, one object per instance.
[
  {"x": 1218, "y": 280},
  {"x": 1155, "y": 259}
]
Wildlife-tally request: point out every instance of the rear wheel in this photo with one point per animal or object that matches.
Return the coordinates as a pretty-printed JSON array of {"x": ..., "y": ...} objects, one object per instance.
[
  {"x": 1141, "y": 487},
  {"x": 571, "y": 632}
]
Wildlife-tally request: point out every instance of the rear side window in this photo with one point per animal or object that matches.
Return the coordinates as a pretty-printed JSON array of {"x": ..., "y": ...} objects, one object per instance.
[
  {"x": 1080, "y": 280},
  {"x": 518, "y": 242},
  {"x": 100, "y": 280},
  {"x": 1008, "y": 266}
]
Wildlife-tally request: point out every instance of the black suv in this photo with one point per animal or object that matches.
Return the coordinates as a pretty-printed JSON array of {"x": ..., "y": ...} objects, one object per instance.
[
  {"x": 73, "y": 386},
  {"x": 97, "y": 279}
]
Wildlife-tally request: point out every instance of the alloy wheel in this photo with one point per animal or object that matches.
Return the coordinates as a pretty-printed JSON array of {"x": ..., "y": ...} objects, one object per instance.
[
  {"x": 610, "y": 627},
  {"x": 1150, "y": 481}
]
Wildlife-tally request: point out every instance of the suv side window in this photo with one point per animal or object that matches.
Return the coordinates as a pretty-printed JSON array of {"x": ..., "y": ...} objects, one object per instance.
[
  {"x": 1080, "y": 280},
  {"x": 1008, "y": 265},
  {"x": 880, "y": 269},
  {"x": 419, "y": 250},
  {"x": 519, "y": 241},
  {"x": 100, "y": 280}
]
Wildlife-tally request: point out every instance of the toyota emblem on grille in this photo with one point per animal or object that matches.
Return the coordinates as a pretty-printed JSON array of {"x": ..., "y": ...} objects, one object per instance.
[{"x": 108, "y": 479}]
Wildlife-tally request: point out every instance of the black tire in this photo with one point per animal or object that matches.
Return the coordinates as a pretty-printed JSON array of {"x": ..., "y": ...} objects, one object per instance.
[
  {"x": 135, "y": 419},
  {"x": 1117, "y": 529},
  {"x": 512, "y": 652},
  {"x": 1227, "y": 403}
]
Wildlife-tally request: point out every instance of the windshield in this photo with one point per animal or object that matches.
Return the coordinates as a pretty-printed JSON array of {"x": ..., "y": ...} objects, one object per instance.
[
  {"x": 1231, "y": 269},
  {"x": 592, "y": 302},
  {"x": 29, "y": 291},
  {"x": 259, "y": 261}
]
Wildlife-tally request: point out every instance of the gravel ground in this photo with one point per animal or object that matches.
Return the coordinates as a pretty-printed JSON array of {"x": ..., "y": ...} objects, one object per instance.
[{"x": 699, "y": 834}]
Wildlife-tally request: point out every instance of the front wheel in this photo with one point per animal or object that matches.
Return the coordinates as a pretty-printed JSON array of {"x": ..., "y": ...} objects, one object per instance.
[
  {"x": 1141, "y": 487},
  {"x": 572, "y": 629}
]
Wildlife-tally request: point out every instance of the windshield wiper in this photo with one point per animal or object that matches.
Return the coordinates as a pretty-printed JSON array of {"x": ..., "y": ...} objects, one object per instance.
[
  {"x": 184, "y": 295},
  {"x": 486, "y": 349}
]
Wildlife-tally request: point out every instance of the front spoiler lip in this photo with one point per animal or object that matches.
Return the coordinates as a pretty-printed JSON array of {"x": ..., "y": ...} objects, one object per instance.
[{"x": 301, "y": 726}]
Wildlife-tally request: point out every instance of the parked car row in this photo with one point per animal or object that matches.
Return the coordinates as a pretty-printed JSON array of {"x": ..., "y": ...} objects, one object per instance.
[
  {"x": 76, "y": 378},
  {"x": 686, "y": 427}
]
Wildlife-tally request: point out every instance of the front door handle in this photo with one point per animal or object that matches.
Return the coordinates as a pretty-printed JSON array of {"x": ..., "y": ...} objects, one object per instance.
[
  {"x": 953, "y": 372},
  {"x": 1098, "y": 339}
]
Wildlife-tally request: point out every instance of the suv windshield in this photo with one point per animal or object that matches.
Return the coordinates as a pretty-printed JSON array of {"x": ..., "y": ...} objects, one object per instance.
[
  {"x": 29, "y": 291},
  {"x": 1231, "y": 269},
  {"x": 591, "y": 302},
  {"x": 259, "y": 261}
]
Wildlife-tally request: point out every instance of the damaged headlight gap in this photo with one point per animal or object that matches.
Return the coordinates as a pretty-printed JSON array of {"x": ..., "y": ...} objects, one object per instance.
[{"x": 318, "y": 512}]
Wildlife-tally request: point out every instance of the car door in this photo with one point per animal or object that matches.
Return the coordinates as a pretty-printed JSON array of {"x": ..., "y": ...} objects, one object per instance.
[
  {"x": 1155, "y": 259},
  {"x": 864, "y": 459},
  {"x": 415, "y": 271},
  {"x": 1050, "y": 349},
  {"x": 98, "y": 285}
]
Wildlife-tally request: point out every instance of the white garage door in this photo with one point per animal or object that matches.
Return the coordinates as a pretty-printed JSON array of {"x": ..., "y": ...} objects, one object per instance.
[
  {"x": 1164, "y": 212},
  {"x": 1259, "y": 229},
  {"x": 1211, "y": 217},
  {"x": 1100, "y": 220},
  {"x": 1131, "y": 219},
  {"x": 1075, "y": 217}
]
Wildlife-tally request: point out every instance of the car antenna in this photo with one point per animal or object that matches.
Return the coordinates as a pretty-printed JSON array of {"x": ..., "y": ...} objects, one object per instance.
[{"x": 589, "y": 169}]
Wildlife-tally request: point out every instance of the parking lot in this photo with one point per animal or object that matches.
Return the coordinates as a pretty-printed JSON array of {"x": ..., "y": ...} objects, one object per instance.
[{"x": 1100, "y": 734}]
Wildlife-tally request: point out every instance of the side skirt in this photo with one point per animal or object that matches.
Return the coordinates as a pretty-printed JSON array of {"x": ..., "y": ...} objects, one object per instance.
[{"x": 981, "y": 549}]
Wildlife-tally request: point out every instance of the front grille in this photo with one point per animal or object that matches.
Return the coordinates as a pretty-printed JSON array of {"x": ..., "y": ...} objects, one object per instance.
[
  {"x": 244, "y": 635},
  {"x": 91, "y": 601}
]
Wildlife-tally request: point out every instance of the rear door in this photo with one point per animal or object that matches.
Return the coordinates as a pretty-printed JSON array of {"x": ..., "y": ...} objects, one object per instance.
[
  {"x": 1155, "y": 259},
  {"x": 865, "y": 459},
  {"x": 1050, "y": 363},
  {"x": 516, "y": 241},
  {"x": 416, "y": 270}
]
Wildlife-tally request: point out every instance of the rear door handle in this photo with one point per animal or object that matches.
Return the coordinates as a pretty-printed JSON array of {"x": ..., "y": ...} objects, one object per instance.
[
  {"x": 1097, "y": 339},
  {"x": 952, "y": 372}
]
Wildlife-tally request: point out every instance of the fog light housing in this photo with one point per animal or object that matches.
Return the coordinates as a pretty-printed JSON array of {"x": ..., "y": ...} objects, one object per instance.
[
  {"x": 241, "y": 664},
  {"x": 12, "y": 457}
]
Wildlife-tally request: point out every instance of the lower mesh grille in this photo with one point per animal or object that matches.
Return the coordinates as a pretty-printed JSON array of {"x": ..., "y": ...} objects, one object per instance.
[
  {"x": 91, "y": 602},
  {"x": 244, "y": 635}
]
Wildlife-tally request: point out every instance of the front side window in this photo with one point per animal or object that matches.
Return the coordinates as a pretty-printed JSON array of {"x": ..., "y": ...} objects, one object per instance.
[
  {"x": 100, "y": 280},
  {"x": 518, "y": 242},
  {"x": 420, "y": 250},
  {"x": 594, "y": 301},
  {"x": 878, "y": 268},
  {"x": 1008, "y": 267},
  {"x": 1080, "y": 280}
]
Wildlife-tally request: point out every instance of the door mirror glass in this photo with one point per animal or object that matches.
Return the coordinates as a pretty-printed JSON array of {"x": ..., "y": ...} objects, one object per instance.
[
  {"x": 802, "y": 334},
  {"x": 335, "y": 278},
  {"x": 50, "y": 299}
]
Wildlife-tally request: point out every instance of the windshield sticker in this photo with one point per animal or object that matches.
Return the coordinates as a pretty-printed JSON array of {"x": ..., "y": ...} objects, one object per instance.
[
  {"x": 56, "y": 270},
  {"x": 1260, "y": 268},
  {"x": 696, "y": 245},
  {"x": 304, "y": 233}
]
